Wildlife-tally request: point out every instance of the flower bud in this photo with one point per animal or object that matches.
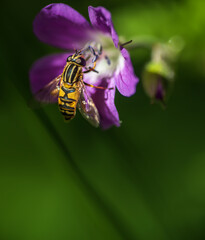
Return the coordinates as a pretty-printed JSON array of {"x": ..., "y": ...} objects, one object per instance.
[
  {"x": 157, "y": 79},
  {"x": 158, "y": 75}
]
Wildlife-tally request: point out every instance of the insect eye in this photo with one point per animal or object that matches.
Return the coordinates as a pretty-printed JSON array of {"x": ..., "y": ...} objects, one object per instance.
[
  {"x": 81, "y": 61},
  {"x": 78, "y": 60},
  {"x": 69, "y": 58}
]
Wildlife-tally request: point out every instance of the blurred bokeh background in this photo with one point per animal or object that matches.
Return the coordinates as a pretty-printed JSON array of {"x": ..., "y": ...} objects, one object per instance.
[{"x": 144, "y": 180}]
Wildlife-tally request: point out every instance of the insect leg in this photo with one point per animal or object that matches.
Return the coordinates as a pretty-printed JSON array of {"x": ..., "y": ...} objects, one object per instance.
[
  {"x": 103, "y": 88},
  {"x": 91, "y": 69}
]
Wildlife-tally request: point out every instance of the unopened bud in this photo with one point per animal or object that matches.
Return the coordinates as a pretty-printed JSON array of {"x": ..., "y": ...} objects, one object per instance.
[{"x": 157, "y": 79}]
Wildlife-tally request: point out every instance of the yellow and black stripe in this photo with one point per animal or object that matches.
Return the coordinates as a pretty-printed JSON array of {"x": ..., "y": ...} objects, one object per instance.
[
  {"x": 67, "y": 104},
  {"x": 72, "y": 73},
  {"x": 69, "y": 92}
]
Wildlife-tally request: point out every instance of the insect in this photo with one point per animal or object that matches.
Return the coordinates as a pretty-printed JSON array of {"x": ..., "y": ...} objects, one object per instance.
[{"x": 70, "y": 90}]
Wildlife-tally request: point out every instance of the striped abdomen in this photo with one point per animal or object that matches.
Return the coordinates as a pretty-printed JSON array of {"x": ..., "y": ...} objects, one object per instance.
[{"x": 68, "y": 99}]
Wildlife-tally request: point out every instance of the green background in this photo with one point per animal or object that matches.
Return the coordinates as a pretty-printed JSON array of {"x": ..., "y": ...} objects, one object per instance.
[{"x": 144, "y": 180}]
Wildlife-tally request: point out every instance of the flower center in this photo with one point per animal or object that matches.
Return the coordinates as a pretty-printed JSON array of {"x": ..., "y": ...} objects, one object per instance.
[{"x": 107, "y": 56}]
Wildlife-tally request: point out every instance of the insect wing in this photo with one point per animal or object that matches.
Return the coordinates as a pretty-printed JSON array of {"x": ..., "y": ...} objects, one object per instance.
[
  {"x": 49, "y": 93},
  {"x": 87, "y": 108}
]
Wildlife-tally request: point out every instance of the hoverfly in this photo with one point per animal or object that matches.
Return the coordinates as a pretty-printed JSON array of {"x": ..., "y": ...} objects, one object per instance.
[{"x": 69, "y": 89}]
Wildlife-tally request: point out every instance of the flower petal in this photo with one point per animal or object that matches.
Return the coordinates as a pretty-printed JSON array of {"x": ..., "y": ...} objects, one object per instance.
[
  {"x": 160, "y": 91},
  {"x": 61, "y": 26},
  {"x": 104, "y": 101},
  {"x": 125, "y": 78},
  {"x": 101, "y": 20},
  {"x": 45, "y": 70}
]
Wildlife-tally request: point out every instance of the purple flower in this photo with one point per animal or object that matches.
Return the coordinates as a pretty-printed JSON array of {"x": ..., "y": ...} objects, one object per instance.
[{"x": 61, "y": 26}]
